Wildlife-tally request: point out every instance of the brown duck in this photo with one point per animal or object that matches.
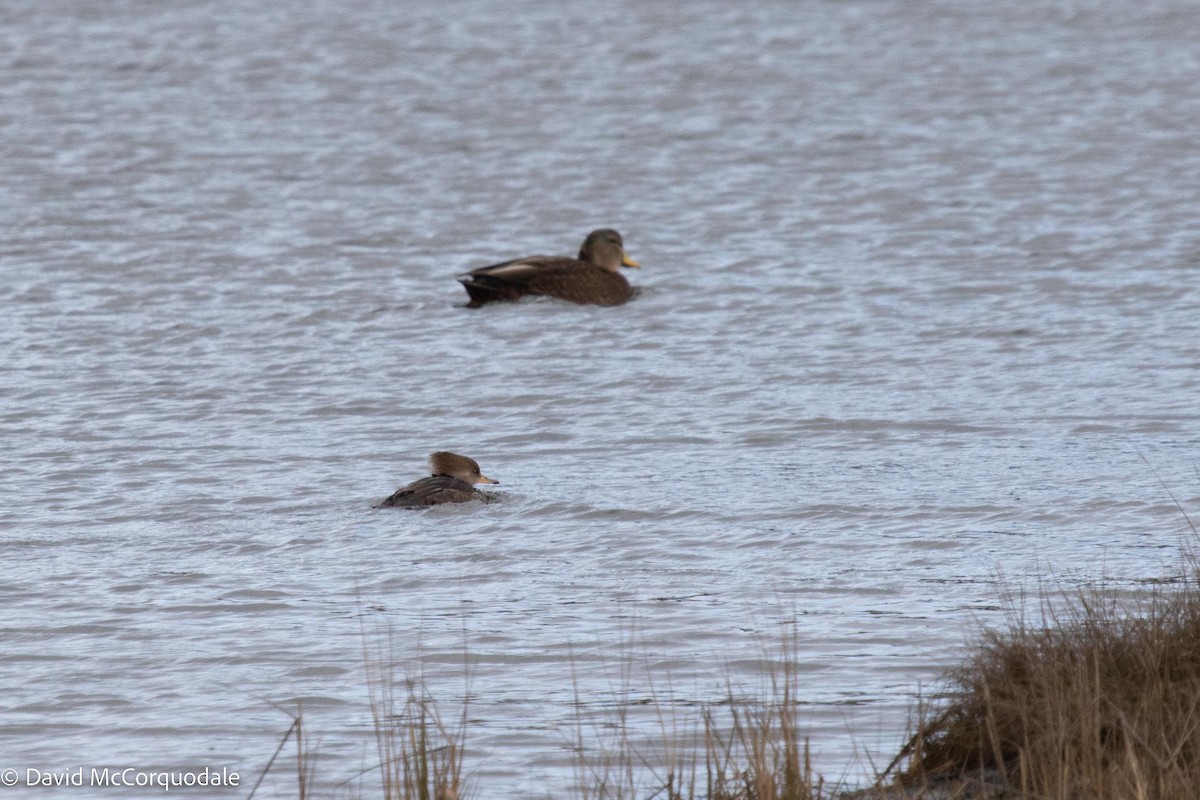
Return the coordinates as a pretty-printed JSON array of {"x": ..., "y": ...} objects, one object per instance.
[
  {"x": 453, "y": 481},
  {"x": 593, "y": 278}
]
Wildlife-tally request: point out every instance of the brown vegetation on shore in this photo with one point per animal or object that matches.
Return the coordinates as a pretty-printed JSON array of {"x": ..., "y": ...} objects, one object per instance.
[{"x": 1098, "y": 698}]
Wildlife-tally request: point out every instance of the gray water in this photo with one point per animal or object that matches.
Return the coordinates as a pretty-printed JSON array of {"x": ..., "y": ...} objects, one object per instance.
[{"x": 918, "y": 325}]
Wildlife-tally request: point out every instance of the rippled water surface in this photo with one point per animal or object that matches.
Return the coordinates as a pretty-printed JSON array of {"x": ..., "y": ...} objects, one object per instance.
[{"x": 919, "y": 320}]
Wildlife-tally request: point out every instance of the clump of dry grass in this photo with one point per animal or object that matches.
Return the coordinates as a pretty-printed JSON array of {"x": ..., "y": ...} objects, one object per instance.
[
  {"x": 744, "y": 749},
  {"x": 1100, "y": 700},
  {"x": 760, "y": 754},
  {"x": 420, "y": 756}
]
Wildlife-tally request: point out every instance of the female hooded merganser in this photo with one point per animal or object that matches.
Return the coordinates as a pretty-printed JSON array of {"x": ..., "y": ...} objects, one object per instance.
[
  {"x": 593, "y": 278},
  {"x": 453, "y": 481}
]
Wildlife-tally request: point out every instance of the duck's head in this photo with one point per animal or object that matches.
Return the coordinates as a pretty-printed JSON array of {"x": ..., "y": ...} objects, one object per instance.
[
  {"x": 456, "y": 466},
  {"x": 605, "y": 248}
]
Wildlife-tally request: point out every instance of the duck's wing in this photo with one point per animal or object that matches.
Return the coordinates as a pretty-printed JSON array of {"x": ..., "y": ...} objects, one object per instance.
[
  {"x": 431, "y": 491},
  {"x": 508, "y": 280},
  {"x": 554, "y": 276}
]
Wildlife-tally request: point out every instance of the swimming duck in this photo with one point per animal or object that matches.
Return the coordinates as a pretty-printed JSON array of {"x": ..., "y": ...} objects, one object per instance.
[
  {"x": 593, "y": 278},
  {"x": 453, "y": 481}
]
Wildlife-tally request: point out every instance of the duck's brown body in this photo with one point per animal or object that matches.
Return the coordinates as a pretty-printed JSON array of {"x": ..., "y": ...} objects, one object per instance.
[
  {"x": 452, "y": 481},
  {"x": 591, "y": 279}
]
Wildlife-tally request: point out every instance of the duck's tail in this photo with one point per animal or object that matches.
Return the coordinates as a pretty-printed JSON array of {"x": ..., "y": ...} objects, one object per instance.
[{"x": 484, "y": 289}]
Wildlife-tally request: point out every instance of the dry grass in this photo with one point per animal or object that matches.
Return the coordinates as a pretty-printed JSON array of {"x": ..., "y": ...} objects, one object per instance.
[
  {"x": 420, "y": 756},
  {"x": 1100, "y": 700},
  {"x": 739, "y": 749},
  {"x": 759, "y": 754},
  {"x": 1097, "y": 700}
]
